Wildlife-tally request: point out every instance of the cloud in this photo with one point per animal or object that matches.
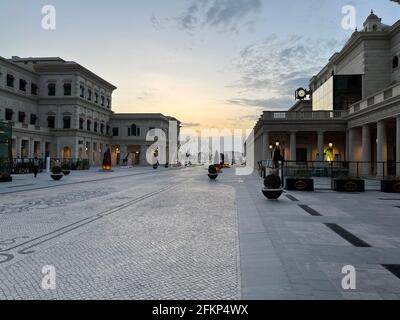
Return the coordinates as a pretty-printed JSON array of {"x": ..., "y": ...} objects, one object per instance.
[
  {"x": 277, "y": 103},
  {"x": 190, "y": 125},
  {"x": 224, "y": 15},
  {"x": 276, "y": 66}
]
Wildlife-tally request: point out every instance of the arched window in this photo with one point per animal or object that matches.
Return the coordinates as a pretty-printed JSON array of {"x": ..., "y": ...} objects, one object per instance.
[
  {"x": 134, "y": 131},
  {"x": 395, "y": 62},
  {"x": 374, "y": 27}
]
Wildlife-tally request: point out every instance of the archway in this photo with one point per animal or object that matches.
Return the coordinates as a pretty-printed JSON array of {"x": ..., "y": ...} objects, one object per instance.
[{"x": 66, "y": 153}]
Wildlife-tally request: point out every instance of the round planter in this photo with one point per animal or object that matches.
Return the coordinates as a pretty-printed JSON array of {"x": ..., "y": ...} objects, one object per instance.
[
  {"x": 155, "y": 167},
  {"x": 57, "y": 177},
  {"x": 213, "y": 176},
  {"x": 272, "y": 194},
  {"x": 66, "y": 172}
]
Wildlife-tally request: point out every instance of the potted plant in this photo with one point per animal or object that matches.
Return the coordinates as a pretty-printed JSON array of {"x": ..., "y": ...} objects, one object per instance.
[
  {"x": 349, "y": 184},
  {"x": 272, "y": 184},
  {"x": 155, "y": 166},
  {"x": 391, "y": 185},
  {"x": 212, "y": 172},
  {"x": 66, "y": 169},
  {"x": 56, "y": 173},
  {"x": 301, "y": 182}
]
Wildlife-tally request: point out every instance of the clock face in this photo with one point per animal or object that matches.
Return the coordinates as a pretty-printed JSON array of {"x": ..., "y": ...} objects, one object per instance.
[{"x": 301, "y": 93}]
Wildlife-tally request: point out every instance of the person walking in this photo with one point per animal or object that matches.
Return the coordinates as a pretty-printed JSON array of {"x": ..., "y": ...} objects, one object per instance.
[{"x": 35, "y": 167}]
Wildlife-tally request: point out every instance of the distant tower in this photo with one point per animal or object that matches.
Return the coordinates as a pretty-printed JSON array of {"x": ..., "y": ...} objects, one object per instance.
[{"x": 373, "y": 23}]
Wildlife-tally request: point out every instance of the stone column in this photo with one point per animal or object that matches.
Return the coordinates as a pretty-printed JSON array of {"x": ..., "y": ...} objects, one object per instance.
[
  {"x": 293, "y": 145},
  {"x": 398, "y": 146},
  {"x": 366, "y": 149},
  {"x": 264, "y": 147},
  {"x": 381, "y": 151},
  {"x": 352, "y": 144},
  {"x": 18, "y": 147},
  {"x": 321, "y": 145}
]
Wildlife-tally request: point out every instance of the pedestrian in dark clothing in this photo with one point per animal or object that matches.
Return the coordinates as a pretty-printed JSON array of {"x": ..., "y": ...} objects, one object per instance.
[
  {"x": 277, "y": 157},
  {"x": 35, "y": 167}
]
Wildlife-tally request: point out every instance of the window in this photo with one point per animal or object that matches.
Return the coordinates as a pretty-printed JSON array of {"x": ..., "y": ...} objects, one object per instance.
[
  {"x": 33, "y": 119},
  {"x": 10, "y": 81},
  {"x": 88, "y": 125},
  {"x": 107, "y": 129},
  {"x": 34, "y": 89},
  {"x": 108, "y": 103},
  {"x": 51, "y": 122},
  {"x": 22, "y": 85},
  {"x": 67, "y": 122},
  {"x": 96, "y": 97},
  {"x": 21, "y": 117},
  {"x": 374, "y": 27},
  {"x": 81, "y": 122},
  {"x": 102, "y": 101},
  {"x": 82, "y": 91},
  {"x": 96, "y": 125},
  {"x": 51, "y": 89},
  {"x": 134, "y": 131},
  {"x": 9, "y": 114},
  {"x": 89, "y": 93},
  {"x": 67, "y": 89},
  {"x": 115, "y": 132},
  {"x": 395, "y": 62},
  {"x": 102, "y": 128}
]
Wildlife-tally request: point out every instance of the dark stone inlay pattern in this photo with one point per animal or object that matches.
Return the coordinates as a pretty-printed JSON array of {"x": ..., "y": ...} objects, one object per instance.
[
  {"x": 349, "y": 237},
  {"x": 309, "y": 210},
  {"x": 290, "y": 197},
  {"x": 393, "y": 268}
]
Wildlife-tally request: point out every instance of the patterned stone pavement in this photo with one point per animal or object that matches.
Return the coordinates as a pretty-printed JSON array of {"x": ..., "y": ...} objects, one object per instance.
[{"x": 173, "y": 234}]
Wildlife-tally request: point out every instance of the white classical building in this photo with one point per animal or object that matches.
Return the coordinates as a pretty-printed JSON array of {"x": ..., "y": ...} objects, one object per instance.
[
  {"x": 354, "y": 109},
  {"x": 60, "y": 109}
]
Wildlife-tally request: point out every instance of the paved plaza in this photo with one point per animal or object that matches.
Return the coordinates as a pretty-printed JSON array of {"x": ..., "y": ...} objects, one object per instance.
[{"x": 173, "y": 234}]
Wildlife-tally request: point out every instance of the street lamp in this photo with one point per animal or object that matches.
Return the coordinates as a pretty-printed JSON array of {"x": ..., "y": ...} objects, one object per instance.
[
  {"x": 277, "y": 143},
  {"x": 330, "y": 145}
]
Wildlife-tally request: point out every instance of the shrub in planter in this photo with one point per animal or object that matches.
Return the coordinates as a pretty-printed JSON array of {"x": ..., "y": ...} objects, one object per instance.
[
  {"x": 273, "y": 189},
  {"x": 391, "y": 185},
  {"x": 349, "y": 184},
  {"x": 212, "y": 172},
  {"x": 56, "y": 173},
  {"x": 66, "y": 169}
]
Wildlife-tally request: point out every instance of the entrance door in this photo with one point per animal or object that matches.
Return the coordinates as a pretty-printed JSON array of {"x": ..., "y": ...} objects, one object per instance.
[{"x": 301, "y": 155}]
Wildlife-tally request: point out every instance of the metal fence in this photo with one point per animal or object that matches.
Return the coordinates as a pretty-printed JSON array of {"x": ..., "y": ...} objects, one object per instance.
[
  {"x": 26, "y": 165},
  {"x": 324, "y": 173},
  {"x": 5, "y": 151}
]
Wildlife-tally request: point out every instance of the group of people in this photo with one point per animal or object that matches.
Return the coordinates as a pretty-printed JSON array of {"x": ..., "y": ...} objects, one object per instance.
[{"x": 27, "y": 166}]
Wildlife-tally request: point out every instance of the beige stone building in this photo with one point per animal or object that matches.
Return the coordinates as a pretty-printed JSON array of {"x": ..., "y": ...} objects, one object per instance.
[
  {"x": 60, "y": 109},
  {"x": 353, "y": 113}
]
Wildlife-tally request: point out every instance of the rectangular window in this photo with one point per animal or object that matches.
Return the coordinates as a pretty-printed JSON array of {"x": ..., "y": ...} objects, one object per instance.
[
  {"x": 108, "y": 103},
  {"x": 102, "y": 101},
  {"x": 67, "y": 89},
  {"x": 82, "y": 90},
  {"x": 67, "y": 122},
  {"x": 138, "y": 132},
  {"x": 129, "y": 132},
  {"x": 107, "y": 129},
  {"x": 51, "y": 122},
  {"x": 88, "y": 125},
  {"x": 22, "y": 85},
  {"x": 102, "y": 128},
  {"x": 96, "y": 97},
  {"x": 10, "y": 81},
  {"x": 51, "y": 89},
  {"x": 33, "y": 119},
  {"x": 96, "y": 125},
  {"x": 34, "y": 89},
  {"x": 81, "y": 122},
  {"x": 9, "y": 114},
  {"x": 89, "y": 95},
  {"x": 115, "y": 132},
  {"x": 21, "y": 117}
]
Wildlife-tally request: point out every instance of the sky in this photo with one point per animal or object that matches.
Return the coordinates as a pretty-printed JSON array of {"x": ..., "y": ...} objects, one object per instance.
[{"x": 209, "y": 63}]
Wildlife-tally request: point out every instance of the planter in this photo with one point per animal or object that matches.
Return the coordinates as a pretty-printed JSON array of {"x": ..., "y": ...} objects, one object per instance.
[
  {"x": 57, "y": 177},
  {"x": 299, "y": 184},
  {"x": 213, "y": 176},
  {"x": 66, "y": 172},
  {"x": 349, "y": 185},
  {"x": 272, "y": 194},
  {"x": 155, "y": 167},
  {"x": 390, "y": 186},
  {"x": 5, "y": 179}
]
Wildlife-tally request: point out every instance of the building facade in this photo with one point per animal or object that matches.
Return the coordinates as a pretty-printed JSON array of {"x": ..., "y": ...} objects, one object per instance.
[
  {"x": 353, "y": 113},
  {"x": 62, "y": 110}
]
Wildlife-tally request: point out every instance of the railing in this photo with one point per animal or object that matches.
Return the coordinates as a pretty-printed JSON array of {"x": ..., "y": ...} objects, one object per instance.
[
  {"x": 304, "y": 115},
  {"x": 26, "y": 165}
]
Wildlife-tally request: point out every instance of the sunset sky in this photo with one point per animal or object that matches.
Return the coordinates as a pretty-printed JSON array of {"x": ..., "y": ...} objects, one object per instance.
[{"x": 210, "y": 63}]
